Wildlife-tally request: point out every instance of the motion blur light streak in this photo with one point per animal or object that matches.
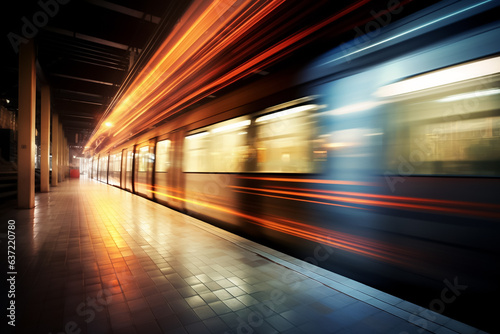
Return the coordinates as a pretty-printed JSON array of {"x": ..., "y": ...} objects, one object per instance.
[
  {"x": 227, "y": 76},
  {"x": 299, "y": 199},
  {"x": 350, "y": 183},
  {"x": 197, "y": 135},
  {"x": 286, "y": 112},
  {"x": 401, "y": 198},
  {"x": 171, "y": 189},
  {"x": 355, "y": 243},
  {"x": 442, "y": 77},
  {"x": 193, "y": 48},
  {"x": 232, "y": 126},
  {"x": 471, "y": 95},
  {"x": 340, "y": 240},
  {"x": 192, "y": 63},
  {"x": 361, "y": 106},
  {"x": 403, "y": 187},
  {"x": 390, "y": 204},
  {"x": 403, "y": 34}
]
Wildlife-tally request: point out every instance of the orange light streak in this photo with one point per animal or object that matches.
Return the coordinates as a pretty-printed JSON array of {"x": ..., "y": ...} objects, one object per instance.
[
  {"x": 332, "y": 238},
  {"x": 260, "y": 60},
  {"x": 349, "y": 183},
  {"x": 170, "y": 189},
  {"x": 192, "y": 62},
  {"x": 369, "y": 202},
  {"x": 194, "y": 39},
  {"x": 221, "y": 43},
  {"x": 300, "y": 200},
  {"x": 400, "y": 198},
  {"x": 169, "y": 58}
]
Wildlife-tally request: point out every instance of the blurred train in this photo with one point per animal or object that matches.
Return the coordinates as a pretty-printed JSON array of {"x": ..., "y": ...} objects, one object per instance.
[{"x": 379, "y": 160}]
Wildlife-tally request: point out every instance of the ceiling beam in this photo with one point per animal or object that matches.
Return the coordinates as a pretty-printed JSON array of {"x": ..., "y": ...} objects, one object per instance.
[
  {"x": 84, "y": 79},
  {"x": 87, "y": 38},
  {"x": 80, "y": 101},
  {"x": 125, "y": 10}
]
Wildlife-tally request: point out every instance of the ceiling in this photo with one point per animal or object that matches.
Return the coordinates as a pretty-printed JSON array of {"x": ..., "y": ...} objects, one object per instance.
[
  {"x": 85, "y": 50},
  {"x": 89, "y": 50}
]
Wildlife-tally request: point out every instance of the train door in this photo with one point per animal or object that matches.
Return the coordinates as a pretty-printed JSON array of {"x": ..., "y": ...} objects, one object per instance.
[
  {"x": 123, "y": 169},
  {"x": 144, "y": 164},
  {"x": 103, "y": 168},
  {"x": 115, "y": 161},
  {"x": 175, "y": 177},
  {"x": 129, "y": 166},
  {"x": 163, "y": 190},
  {"x": 94, "y": 167}
]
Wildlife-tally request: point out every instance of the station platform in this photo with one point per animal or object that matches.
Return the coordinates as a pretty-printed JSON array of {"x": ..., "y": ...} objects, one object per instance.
[{"x": 91, "y": 258}]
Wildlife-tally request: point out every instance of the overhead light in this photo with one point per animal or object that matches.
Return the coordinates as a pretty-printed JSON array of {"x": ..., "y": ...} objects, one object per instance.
[
  {"x": 108, "y": 124},
  {"x": 442, "y": 77}
]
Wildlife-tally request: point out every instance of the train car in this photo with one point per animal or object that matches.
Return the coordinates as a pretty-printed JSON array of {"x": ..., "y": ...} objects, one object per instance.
[{"x": 379, "y": 160}]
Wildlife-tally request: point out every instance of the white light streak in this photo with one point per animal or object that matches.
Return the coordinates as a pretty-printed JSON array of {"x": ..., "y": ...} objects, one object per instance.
[
  {"x": 471, "y": 95},
  {"x": 286, "y": 112},
  {"x": 442, "y": 77},
  {"x": 408, "y": 32},
  {"x": 233, "y": 126},
  {"x": 356, "y": 107},
  {"x": 197, "y": 135}
]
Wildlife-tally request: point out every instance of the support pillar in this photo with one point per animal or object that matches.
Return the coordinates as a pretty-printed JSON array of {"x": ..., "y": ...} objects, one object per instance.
[
  {"x": 66, "y": 158},
  {"x": 26, "y": 147},
  {"x": 61, "y": 154},
  {"x": 45, "y": 139},
  {"x": 55, "y": 149}
]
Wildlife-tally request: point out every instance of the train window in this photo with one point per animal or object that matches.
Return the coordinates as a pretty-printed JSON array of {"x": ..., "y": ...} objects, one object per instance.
[
  {"x": 284, "y": 140},
  {"x": 130, "y": 159},
  {"x": 103, "y": 168},
  {"x": 144, "y": 159},
  {"x": 229, "y": 145},
  {"x": 449, "y": 130},
  {"x": 162, "y": 156},
  {"x": 116, "y": 161},
  {"x": 196, "y": 148},
  {"x": 114, "y": 169},
  {"x": 95, "y": 162},
  {"x": 222, "y": 147}
]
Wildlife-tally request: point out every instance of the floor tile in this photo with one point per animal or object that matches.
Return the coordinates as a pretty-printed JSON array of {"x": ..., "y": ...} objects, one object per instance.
[{"x": 106, "y": 261}]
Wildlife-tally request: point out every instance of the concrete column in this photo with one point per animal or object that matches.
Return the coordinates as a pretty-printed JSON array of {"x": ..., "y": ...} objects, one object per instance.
[
  {"x": 45, "y": 139},
  {"x": 66, "y": 158},
  {"x": 61, "y": 154},
  {"x": 26, "y": 147},
  {"x": 55, "y": 150}
]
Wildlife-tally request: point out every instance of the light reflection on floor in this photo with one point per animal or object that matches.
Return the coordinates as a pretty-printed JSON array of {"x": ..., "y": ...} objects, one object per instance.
[{"x": 94, "y": 259}]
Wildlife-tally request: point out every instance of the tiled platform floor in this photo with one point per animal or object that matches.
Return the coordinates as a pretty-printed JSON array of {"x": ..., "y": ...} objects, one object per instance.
[{"x": 91, "y": 258}]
